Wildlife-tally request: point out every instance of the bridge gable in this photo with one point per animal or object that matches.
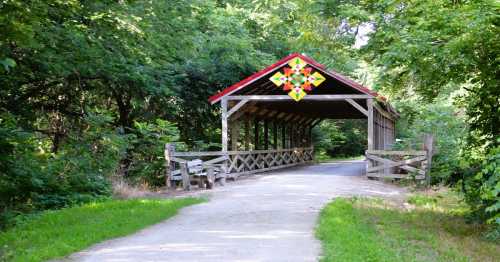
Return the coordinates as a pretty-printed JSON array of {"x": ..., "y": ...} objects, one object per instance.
[{"x": 259, "y": 83}]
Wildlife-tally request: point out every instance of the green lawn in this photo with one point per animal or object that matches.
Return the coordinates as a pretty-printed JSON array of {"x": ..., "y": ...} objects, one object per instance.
[
  {"x": 54, "y": 234},
  {"x": 322, "y": 157},
  {"x": 373, "y": 230}
]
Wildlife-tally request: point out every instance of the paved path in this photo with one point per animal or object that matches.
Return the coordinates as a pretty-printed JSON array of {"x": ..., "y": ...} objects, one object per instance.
[{"x": 263, "y": 218}]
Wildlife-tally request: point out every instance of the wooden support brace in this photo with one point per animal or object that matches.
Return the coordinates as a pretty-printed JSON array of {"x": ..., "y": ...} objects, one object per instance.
[
  {"x": 357, "y": 106},
  {"x": 236, "y": 107}
]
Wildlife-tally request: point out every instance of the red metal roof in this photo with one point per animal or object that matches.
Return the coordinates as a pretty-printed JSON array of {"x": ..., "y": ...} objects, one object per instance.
[{"x": 215, "y": 98}]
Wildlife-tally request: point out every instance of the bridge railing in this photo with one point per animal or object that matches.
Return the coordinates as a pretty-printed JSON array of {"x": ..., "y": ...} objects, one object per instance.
[
  {"x": 232, "y": 164},
  {"x": 410, "y": 164}
]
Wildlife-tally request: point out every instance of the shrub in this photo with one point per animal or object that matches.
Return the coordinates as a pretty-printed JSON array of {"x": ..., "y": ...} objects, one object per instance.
[
  {"x": 445, "y": 123},
  {"x": 33, "y": 179},
  {"x": 342, "y": 138},
  {"x": 481, "y": 185},
  {"x": 147, "y": 151}
]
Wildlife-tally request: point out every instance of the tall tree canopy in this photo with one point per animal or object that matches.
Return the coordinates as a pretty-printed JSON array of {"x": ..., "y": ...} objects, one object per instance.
[{"x": 92, "y": 89}]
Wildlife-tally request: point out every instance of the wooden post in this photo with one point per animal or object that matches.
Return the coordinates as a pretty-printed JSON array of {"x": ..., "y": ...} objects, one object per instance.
[
  {"x": 304, "y": 136},
  {"x": 247, "y": 133},
  {"x": 235, "y": 134},
  {"x": 210, "y": 177},
  {"x": 381, "y": 132},
  {"x": 275, "y": 135},
  {"x": 311, "y": 135},
  {"x": 169, "y": 165},
  {"x": 386, "y": 134},
  {"x": 299, "y": 136},
  {"x": 256, "y": 134},
  {"x": 186, "y": 184},
  {"x": 429, "y": 148},
  {"x": 283, "y": 135},
  {"x": 369, "y": 104},
  {"x": 224, "y": 124},
  {"x": 266, "y": 134}
]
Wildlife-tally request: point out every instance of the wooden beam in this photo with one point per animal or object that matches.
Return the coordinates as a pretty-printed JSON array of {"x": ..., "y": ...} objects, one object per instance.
[
  {"x": 235, "y": 134},
  {"x": 280, "y": 115},
  {"x": 283, "y": 135},
  {"x": 369, "y": 104},
  {"x": 392, "y": 152},
  {"x": 316, "y": 123},
  {"x": 390, "y": 163},
  {"x": 247, "y": 133},
  {"x": 357, "y": 106},
  {"x": 224, "y": 124},
  {"x": 429, "y": 149},
  {"x": 288, "y": 117},
  {"x": 286, "y": 97},
  {"x": 266, "y": 134},
  {"x": 248, "y": 108},
  {"x": 169, "y": 165},
  {"x": 383, "y": 112},
  {"x": 275, "y": 135},
  {"x": 262, "y": 112},
  {"x": 236, "y": 107},
  {"x": 256, "y": 134}
]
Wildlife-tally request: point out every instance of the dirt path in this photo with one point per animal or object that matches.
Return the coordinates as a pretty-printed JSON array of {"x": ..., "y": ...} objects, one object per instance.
[{"x": 265, "y": 218}]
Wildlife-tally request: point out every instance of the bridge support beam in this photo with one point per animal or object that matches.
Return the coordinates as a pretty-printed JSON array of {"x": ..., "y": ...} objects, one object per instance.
[
  {"x": 224, "y": 114},
  {"x": 369, "y": 104}
]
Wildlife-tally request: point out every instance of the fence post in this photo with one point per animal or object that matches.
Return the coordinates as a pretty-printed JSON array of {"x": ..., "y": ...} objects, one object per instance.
[
  {"x": 429, "y": 148},
  {"x": 186, "y": 184},
  {"x": 169, "y": 165},
  {"x": 210, "y": 177}
]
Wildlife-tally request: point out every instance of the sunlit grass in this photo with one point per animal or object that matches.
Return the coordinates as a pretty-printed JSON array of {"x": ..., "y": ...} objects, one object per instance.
[
  {"x": 54, "y": 234},
  {"x": 374, "y": 230},
  {"x": 322, "y": 157}
]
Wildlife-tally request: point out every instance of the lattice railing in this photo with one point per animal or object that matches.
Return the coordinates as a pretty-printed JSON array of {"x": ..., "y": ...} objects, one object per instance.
[
  {"x": 249, "y": 162},
  {"x": 236, "y": 163}
]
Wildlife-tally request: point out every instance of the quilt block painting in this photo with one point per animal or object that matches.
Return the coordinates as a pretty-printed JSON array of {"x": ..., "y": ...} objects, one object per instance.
[{"x": 297, "y": 79}]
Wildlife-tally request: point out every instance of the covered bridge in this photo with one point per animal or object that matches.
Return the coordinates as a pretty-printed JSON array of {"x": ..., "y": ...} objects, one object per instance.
[{"x": 267, "y": 118}]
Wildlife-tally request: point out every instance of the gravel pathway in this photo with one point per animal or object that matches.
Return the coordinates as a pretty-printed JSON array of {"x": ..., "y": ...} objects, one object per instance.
[{"x": 268, "y": 217}]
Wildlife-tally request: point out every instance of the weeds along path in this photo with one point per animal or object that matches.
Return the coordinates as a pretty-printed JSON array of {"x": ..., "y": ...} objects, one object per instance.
[{"x": 268, "y": 217}]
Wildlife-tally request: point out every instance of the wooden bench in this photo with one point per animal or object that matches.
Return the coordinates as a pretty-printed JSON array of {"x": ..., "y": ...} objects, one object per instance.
[{"x": 197, "y": 172}]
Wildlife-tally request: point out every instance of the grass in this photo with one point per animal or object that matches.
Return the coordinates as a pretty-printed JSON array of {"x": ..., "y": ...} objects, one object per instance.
[
  {"x": 54, "y": 234},
  {"x": 322, "y": 157},
  {"x": 433, "y": 229}
]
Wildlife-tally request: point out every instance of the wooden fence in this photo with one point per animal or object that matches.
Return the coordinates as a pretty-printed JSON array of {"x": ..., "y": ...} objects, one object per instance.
[
  {"x": 232, "y": 164},
  {"x": 412, "y": 164}
]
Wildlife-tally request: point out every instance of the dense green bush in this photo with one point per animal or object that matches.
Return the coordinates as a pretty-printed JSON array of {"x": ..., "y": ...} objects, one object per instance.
[
  {"x": 147, "y": 147},
  {"x": 481, "y": 187},
  {"x": 32, "y": 178},
  {"x": 446, "y": 123}
]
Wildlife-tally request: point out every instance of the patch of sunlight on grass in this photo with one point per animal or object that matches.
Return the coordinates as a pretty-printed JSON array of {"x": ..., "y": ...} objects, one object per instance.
[
  {"x": 54, "y": 234},
  {"x": 322, "y": 157},
  {"x": 377, "y": 230}
]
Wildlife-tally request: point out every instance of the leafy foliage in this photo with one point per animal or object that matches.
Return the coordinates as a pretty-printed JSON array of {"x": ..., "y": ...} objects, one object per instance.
[
  {"x": 422, "y": 51},
  {"x": 31, "y": 180},
  {"x": 446, "y": 123},
  {"x": 94, "y": 88},
  {"x": 341, "y": 138},
  {"x": 482, "y": 188}
]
